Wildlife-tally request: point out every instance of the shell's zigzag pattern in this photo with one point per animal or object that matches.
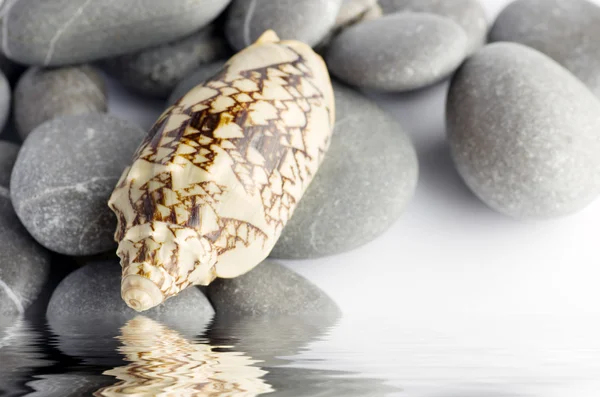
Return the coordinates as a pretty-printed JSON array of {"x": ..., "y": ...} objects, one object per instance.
[{"x": 222, "y": 170}]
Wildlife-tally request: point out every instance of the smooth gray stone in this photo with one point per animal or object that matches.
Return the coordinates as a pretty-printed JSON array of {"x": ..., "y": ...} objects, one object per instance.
[
  {"x": 44, "y": 94},
  {"x": 566, "y": 30},
  {"x": 524, "y": 133},
  {"x": 24, "y": 265},
  {"x": 353, "y": 10},
  {"x": 62, "y": 32},
  {"x": 398, "y": 52},
  {"x": 87, "y": 312},
  {"x": 156, "y": 71},
  {"x": 269, "y": 289},
  {"x": 469, "y": 14},
  {"x": 8, "y": 156},
  {"x": 367, "y": 179},
  {"x": 203, "y": 73},
  {"x": 351, "y": 13},
  {"x": 308, "y": 20},
  {"x": 94, "y": 292},
  {"x": 5, "y": 100},
  {"x": 64, "y": 175}
]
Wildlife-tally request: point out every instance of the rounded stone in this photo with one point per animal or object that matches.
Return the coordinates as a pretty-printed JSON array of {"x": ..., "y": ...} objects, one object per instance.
[
  {"x": 468, "y": 14},
  {"x": 8, "y": 156},
  {"x": 87, "y": 313},
  {"x": 24, "y": 265},
  {"x": 524, "y": 133},
  {"x": 200, "y": 75},
  {"x": 5, "y": 99},
  {"x": 64, "y": 174},
  {"x": 62, "y": 32},
  {"x": 156, "y": 71},
  {"x": 367, "y": 179},
  {"x": 94, "y": 292},
  {"x": 44, "y": 94},
  {"x": 398, "y": 52},
  {"x": 308, "y": 21},
  {"x": 565, "y": 30},
  {"x": 353, "y": 10},
  {"x": 269, "y": 289}
]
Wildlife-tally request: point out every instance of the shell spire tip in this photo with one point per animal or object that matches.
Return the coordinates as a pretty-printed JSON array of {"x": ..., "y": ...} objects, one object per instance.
[{"x": 140, "y": 294}]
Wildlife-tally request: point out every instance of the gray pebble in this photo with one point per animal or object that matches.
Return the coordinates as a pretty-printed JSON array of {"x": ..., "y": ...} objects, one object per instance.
[
  {"x": 156, "y": 71},
  {"x": 566, "y": 30},
  {"x": 308, "y": 20},
  {"x": 469, "y": 14},
  {"x": 94, "y": 292},
  {"x": 203, "y": 73},
  {"x": 64, "y": 174},
  {"x": 24, "y": 265},
  {"x": 62, "y": 32},
  {"x": 43, "y": 94},
  {"x": 351, "y": 13},
  {"x": 353, "y": 10},
  {"x": 87, "y": 312},
  {"x": 363, "y": 186},
  {"x": 8, "y": 156},
  {"x": 5, "y": 100},
  {"x": 269, "y": 289},
  {"x": 398, "y": 52},
  {"x": 524, "y": 133}
]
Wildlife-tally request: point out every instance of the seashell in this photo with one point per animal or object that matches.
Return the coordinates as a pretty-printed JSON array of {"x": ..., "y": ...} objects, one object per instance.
[{"x": 222, "y": 170}]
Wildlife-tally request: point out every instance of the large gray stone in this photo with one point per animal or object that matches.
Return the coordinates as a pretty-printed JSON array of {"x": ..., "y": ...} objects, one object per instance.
[
  {"x": 200, "y": 75},
  {"x": 524, "y": 133},
  {"x": 94, "y": 292},
  {"x": 24, "y": 265},
  {"x": 398, "y": 52},
  {"x": 8, "y": 156},
  {"x": 5, "y": 99},
  {"x": 308, "y": 20},
  {"x": 566, "y": 30},
  {"x": 87, "y": 312},
  {"x": 363, "y": 186},
  {"x": 351, "y": 12},
  {"x": 61, "y": 32},
  {"x": 43, "y": 94},
  {"x": 469, "y": 14},
  {"x": 64, "y": 174},
  {"x": 269, "y": 289},
  {"x": 156, "y": 71}
]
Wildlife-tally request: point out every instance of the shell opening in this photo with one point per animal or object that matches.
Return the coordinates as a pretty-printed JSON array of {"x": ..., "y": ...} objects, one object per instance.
[{"x": 140, "y": 294}]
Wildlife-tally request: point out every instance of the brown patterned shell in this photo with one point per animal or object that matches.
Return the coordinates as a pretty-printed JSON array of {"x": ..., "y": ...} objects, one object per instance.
[{"x": 222, "y": 170}]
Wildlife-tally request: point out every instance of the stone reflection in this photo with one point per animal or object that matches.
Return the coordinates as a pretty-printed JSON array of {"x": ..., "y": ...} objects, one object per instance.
[
  {"x": 164, "y": 363},
  {"x": 20, "y": 355},
  {"x": 278, "y": 340}
]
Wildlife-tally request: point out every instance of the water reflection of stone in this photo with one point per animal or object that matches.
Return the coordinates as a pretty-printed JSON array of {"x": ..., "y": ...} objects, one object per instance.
[
  {"x": 95, "y": 342},
  {"x": 163, "y": 362},
  {"x": 20, "y": 355},
  {"x": 275, "y": 340}
]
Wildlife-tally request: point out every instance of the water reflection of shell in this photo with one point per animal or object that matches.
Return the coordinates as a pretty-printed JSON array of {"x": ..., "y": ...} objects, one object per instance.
[{"x": 163, "y": 363}]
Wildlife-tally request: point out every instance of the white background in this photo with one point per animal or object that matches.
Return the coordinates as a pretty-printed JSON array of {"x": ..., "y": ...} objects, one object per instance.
[{"x": 449, "y": 253}]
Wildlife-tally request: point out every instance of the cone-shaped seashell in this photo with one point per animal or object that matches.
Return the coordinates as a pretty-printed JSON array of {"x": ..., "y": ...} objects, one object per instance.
[{"x": 222, "y": 170}]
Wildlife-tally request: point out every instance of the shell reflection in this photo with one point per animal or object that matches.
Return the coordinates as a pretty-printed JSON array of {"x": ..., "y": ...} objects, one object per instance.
[{"x": 164, "y": 363}]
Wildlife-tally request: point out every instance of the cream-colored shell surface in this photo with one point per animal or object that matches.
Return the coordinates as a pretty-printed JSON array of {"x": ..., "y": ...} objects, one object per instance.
[{"x": 222, "y": 170}]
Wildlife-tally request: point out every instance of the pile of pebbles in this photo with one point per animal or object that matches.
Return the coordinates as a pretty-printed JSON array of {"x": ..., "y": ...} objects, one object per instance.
[{"x": 523, "y": 123}]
